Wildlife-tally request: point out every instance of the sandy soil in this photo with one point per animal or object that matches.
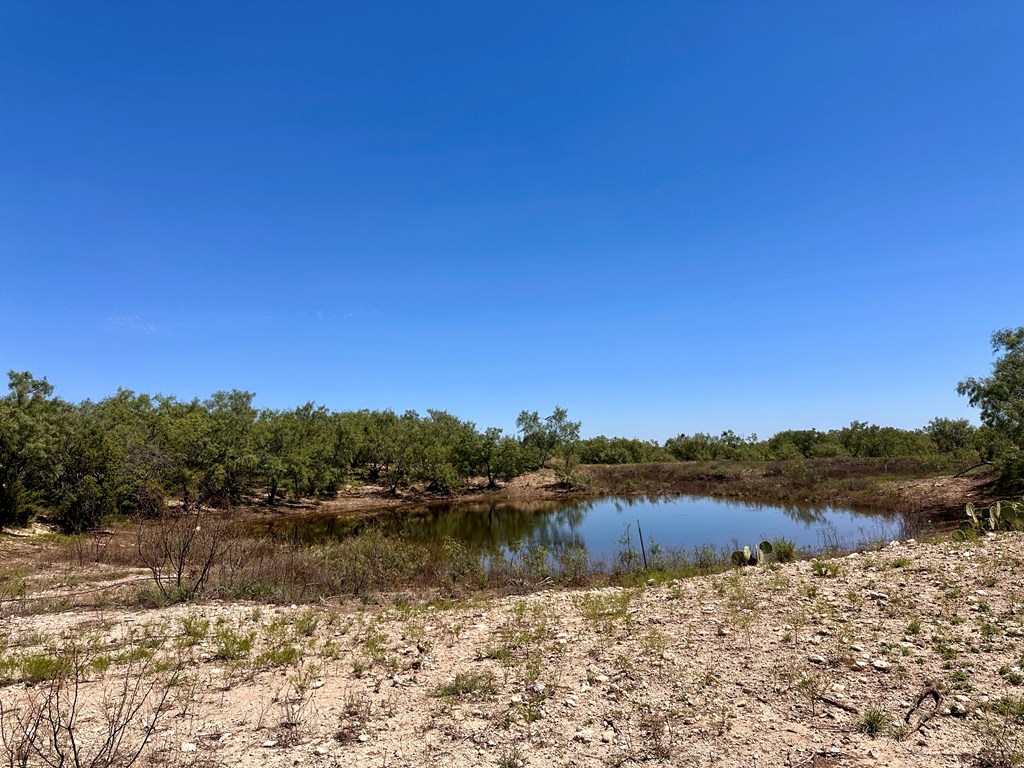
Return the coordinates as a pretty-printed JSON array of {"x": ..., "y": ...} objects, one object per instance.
[{"x": 772, "y": 666}]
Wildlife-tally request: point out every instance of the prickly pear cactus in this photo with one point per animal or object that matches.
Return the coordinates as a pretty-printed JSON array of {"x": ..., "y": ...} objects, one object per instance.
[{"x": 748, "y": 556}]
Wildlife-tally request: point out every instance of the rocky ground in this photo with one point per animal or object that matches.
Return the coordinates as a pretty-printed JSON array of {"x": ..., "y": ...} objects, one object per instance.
[{"x": 799, "y": 664}]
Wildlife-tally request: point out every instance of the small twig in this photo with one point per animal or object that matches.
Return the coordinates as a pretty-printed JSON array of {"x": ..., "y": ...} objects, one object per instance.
[
  {"x": 845, "y": 707},
  {"x": 929, "y": 691}
]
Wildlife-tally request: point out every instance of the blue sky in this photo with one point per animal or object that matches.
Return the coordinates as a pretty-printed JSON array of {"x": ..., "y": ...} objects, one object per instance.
[{"x": 665, "y": 216}]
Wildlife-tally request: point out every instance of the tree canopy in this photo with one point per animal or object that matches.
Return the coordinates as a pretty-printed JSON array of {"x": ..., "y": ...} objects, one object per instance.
[{"x": 1000, "y": 397}]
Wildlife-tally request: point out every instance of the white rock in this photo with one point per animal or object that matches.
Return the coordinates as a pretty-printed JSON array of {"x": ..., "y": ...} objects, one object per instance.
[{"x": 188, "y": 746}]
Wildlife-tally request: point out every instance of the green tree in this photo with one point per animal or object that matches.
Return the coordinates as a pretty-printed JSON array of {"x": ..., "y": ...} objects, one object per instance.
[
  {"x": 83, "y": 483},
  {"x": 500, "y": 456},
  {"x": 1001, "y": 400},
  {"x": 555, "y": 435},
  {"x": 131, "y": 424},
  {"x": 28, "y": 442}
]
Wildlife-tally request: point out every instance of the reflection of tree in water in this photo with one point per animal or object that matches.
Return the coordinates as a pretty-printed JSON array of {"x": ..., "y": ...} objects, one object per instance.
[
  {"x": 491, "y": 528},
  {"x": 808, "y": 516},
  {"x": 555, "y": 526}
]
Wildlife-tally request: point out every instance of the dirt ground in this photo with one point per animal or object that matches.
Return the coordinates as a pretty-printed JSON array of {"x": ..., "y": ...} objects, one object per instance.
[{"x": 799, "y": 664}]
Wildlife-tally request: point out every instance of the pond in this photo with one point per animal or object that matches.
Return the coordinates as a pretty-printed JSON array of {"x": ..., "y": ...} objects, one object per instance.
[{"x": 608, "y": 526}]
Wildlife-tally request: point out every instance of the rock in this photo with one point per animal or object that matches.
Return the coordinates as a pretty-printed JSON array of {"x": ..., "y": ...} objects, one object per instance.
[
  {"x": 269, "y": 743},
  {"x": 188, "y": 746},
  {"x": 881, "y": 664},
  {"x": 584, "y": 736},
  {"x": 724, "y": 631},
  {"x": 816, "y": 658}
]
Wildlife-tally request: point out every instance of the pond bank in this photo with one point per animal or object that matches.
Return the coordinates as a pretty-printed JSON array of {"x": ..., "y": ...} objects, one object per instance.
[{"x": 860, "y": 484}]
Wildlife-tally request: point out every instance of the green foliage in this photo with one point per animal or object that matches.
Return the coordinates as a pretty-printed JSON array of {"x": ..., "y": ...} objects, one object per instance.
[
  {"x": 1001, "y": 400},
  {"x": 1001, "y": 516},
  {"x": 555, "y": 435},
  {"x": 470, "y": 684},
  {"x": 28, "y": 441},
  {"x": 621, "y": 450},
  {"x": 873, "y": 721},
  {"x": 230, "y": 645},
  {"x": 825, "y": 568},
  {"x": 785, "y": 550}
]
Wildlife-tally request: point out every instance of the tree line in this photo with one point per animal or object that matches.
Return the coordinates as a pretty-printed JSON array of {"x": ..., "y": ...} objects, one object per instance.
[
  {"x": 129, "y": 453},
  {"x": 945, "y": 442}
]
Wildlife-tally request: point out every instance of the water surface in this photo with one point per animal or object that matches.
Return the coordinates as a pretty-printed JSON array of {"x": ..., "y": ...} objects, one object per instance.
[{"x": 602, "y": 526}]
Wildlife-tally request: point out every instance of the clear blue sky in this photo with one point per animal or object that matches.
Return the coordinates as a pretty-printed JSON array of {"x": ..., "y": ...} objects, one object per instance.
[{"x": 665, "y": 216}]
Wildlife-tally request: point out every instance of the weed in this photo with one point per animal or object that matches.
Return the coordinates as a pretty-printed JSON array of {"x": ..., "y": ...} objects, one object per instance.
[
  {"x": 280, "y": 656},
  {"x": 38, "y": 667},
  {"x": 356, "y": 712},
  {"x": 466, "y": 684},
  {"x": 194, "y": 630},
  {"x": 495, "y": 652},
  {"x": 825, "y": 568},
  {"x": 812, "y": 687},
  {"x": 306, "y": 624},
  {"x": 605, "y": 608},
  {"x": 1009, "y": 708},
  {"x": 784, "y": 549},
  {"x": 511, "y": 757},
  {"x": 232, "y": 646},
  {"x": 872, "y": 721},
  {"x": 1012, "y": 675}
]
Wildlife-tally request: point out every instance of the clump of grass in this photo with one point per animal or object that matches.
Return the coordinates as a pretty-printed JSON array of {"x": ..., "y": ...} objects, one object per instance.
[
  {"x": 511, "y": 757},
  {"x": 1010, "y": 708},
  {"x": 37, "y": 667},
  {"x": 495, "y": 652},
  {"x": 784, "y": 549},
  {"x": 306, "y": 624},
  {"x": 825, "y": 568},
  {"x": 914, "y": 626},
  {"x": 281, "y": 656},
  {"x": 1012, "y": 675},
  {"x": 194, "y": 630},
  {"x": 466, "y": 684},
  {"x": 605, "y": 606},
  {"x": 231, "y": 645},
  {"x": 872, "y": 721}
]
